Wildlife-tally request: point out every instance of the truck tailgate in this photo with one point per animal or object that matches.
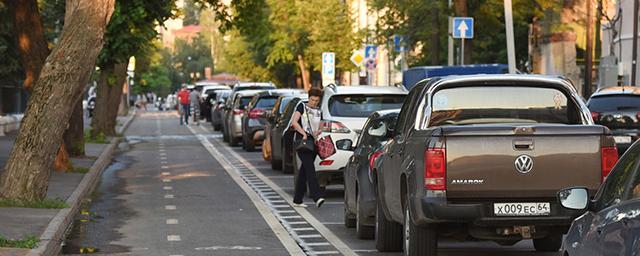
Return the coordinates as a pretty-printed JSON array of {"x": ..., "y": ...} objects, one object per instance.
[{"x": 481, "y": 161}]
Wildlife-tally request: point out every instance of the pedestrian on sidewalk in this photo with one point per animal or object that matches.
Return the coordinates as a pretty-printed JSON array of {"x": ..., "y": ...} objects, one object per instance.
[
  {"x": 185, "y": 106},
  {"x": 306, "y": 123},
  {"x": 196, "y": 100}
]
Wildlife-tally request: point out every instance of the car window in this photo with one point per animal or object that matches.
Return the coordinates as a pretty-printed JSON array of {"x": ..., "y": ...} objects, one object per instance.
[
  {"x": 609, "y": 103},
  {"x": 266, "y": 102},
  {"x": 406, "y": 108},
  {"x": 614, "y": 186},
  {"x": 362, "y": 105},
  {"x": 243, "y": 101},
  {"x": 284, "y": 103},
  {"x": 502, "y": 104}
]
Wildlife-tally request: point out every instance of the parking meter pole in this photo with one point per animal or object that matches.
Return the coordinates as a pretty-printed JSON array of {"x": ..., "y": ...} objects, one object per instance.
[{"x": 508, "y": 22}]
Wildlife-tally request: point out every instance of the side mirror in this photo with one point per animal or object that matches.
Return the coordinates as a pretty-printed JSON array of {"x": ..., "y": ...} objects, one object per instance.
[{"x": 574, "y": 198}]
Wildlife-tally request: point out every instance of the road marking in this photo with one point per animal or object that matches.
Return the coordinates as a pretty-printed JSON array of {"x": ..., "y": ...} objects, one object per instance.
[
  {"x": 161, "y": 150},
  {"x": 298, "y": 223},
  {"x": 237, "y": 247},
  {"x": 166, "y": 180},
  {"x": 286, "y": 211},
  {"x": 326, "y": 233},
  {"x": 163, "y": 158},
  {"x": 303, "y": 229},
  {"x": 324, "y": 252},
  {"x": 332, "y": 223},
  {"x": 292, "y": 217},
  {"x": 166, "y": 173},
  {"x": 309, "y": 236},
  {"x": 318, "y": 244},
  {"x": 172, "y": 221},
  {"x": 173, "y": 238},
  {"x": 164, "y": 162},
  {"x": 168, "y": 196},
  {"x": 164, "y": 167},
  {"x": 288, "y": 242},
  {"x": 365, "y": 251},
  {"x": 169, "y": 207},
  {"x": 167, "y": 188},
  {"x": 163, "y": 154}
]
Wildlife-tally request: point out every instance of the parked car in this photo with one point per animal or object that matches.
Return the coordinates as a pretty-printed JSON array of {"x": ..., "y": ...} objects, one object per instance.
[
  {"x": 253, "y": 86},
  {"x": 359, "y": 185},
  {"x": 209, "y": 93},
  {"x": 217, "y": 109},
  {"x": 234, "y": 110},
  {"x": 344, "y": 110},
  {"x": 414, "y": 75},
  {"x": 254, "y": 121},
  {"x": 482, "y": 156},
  {"x": 619, "y": 109},
  {"x": 278, "y": 123},
  {"x": 611, "y": 224}
]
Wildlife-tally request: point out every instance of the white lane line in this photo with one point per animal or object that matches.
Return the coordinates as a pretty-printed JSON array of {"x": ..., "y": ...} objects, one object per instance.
[
  {"x": 298, "y": 223},
  {"x": 167, "y": 188},
  {"x": 286, "y": 211},
  {"x": 172, "y": 221},
  {"x": 166, "y": 173},
  {"x": 166, "y": 180},
  {"x": 163, "y": 158},
  {"x": 164, "y": 167},
  {"x": 163, "y": 154},
  {"x": 309, "y": 236},
  {"x": 173, "y": 238},
  {"x": 292, "y": 217},
  {"x": 302, "y": 229},
  {"x": 170, "y": 207},
  {"x": 288, "y": 242},
  {"x": 168, "y": 196},
  {"x": 164, "y": 162},
  {"x": 318, "y": 244},
  {"x": 324, "y": 252},
  {"x": 322, "y": 229},
  {"x": 161, "y": 150}
]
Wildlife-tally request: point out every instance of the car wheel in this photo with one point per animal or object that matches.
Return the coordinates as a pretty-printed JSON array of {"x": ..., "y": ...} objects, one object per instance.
[
  {"x": 550, "y": 243},
  {"x": 276, "y": 164},
  {"x": 287, "y": 167},
  {"x": 349, "y": 219},
  {"x": 225, "y": 135},
  {"x": 217, "y": 127},
  {"x": 363, "y": 231},
  {"x": 388, "y": 233},
  {"x": 418, "y": 240},
  {"x": 250, "y": 145},
  {"x": 233, "y": 141}
]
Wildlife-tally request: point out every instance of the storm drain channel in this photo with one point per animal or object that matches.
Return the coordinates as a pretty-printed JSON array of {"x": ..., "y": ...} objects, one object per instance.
[{"x": 305, "y": 235}]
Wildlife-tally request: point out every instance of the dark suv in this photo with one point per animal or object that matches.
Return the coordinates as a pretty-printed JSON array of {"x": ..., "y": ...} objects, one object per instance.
[
  {"x": 254, "y": 121},
  {"x": 619, "y": 109}
]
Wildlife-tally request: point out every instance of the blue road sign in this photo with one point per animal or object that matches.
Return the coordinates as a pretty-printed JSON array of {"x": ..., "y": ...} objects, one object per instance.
[
  {"x": 370, "y": 51},
  {"x": 463, "y": 27},
  {"x": 398, "y": 43}
]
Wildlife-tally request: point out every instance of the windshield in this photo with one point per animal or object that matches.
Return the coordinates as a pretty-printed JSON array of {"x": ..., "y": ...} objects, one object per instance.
[
  {"x": 363, "y": 105},
  {"x": 244, "y": 101},
  {"x": 266, "y": 102},
  {"x": 502, "y": 104},
  {"x": 614, "y": 103}
]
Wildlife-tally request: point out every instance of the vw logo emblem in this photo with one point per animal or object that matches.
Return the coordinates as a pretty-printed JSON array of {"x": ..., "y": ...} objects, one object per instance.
[{"x": 524, "y": 164}]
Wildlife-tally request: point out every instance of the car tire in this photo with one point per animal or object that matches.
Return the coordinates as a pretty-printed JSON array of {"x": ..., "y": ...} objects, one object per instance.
[
  {"x": 550, "y": 243},
  {"x": 388, "y": 234},
  {"x": 217, "y": 127},
  {"x": 233, "y": 141},
  {"x": 225, "y": 135},
  {"x": 363, "y": 231},
  {"x": 418, "y": 240},
  {"x": 250, "y": 145},
  {"x": 276, "y": 164},
  {"x": 349, "y": 219},
  {"x": 286, "y": 168}
]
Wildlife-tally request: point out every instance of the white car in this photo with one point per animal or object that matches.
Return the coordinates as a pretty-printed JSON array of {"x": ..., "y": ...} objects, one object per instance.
[{"x": 345, "y": 109}]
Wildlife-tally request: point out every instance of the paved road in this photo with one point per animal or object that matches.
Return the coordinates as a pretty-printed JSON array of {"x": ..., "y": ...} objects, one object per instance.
[{"x": 181, "y": 191}]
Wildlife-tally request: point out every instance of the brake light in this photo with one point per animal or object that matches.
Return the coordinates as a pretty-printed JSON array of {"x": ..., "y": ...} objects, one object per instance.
[
  {"x": 333, "y": 127},
  {"x": 595, "y": 116},
  {"x": 256, "y": 113},
  {"x": 435, "y": 169},
  {"x": 372, "y": 159},
  {"x": 326, "y": 162},
  {"x": 609, "y": 157},
  {"x": 238, "y": 112}
]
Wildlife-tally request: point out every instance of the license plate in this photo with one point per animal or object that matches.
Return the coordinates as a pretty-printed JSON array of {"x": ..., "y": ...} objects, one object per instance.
[
  {"x": 622, "y": 139},
  {"x": 521, "y": 209}
]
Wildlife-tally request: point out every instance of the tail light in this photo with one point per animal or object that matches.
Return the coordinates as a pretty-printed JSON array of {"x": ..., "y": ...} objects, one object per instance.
[
  {"x": 609, "y": 157},
  {"x": 237, "y": 112},
  {"x": 256, "y": 113},
  {"x": 595, "y": 116},
  {"x": 333, "y": 127},
  {"x": 372, "y": 159},
  {"x": 435, "y": 169}
]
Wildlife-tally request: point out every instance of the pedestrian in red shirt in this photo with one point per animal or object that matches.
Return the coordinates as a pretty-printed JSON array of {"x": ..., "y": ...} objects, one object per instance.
[{"x": 183, "y": 97}]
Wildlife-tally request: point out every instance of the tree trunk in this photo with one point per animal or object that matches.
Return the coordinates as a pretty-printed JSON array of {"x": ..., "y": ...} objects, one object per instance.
[
  {"x": 461, "y": 10},
  {"x": 29, "y": 32},
  {"x": 74, "y": 135},
  {"x": 108, "y": 98},
  {"x": 304, "y": 73},
  {"x": 61, "y": 82}
]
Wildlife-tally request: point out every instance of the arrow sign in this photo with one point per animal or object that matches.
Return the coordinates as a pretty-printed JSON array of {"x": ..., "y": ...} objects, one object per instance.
[{"x": 463, "y": 27}]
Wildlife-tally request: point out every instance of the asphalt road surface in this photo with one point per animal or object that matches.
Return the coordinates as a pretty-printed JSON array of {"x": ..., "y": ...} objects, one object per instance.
[{"x": 179, "y": 190}]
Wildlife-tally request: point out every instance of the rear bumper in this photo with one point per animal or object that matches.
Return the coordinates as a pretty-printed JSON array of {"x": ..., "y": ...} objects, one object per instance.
[
  {"x": 438, "y": 210},
  {"x": 340, "y": 159}
]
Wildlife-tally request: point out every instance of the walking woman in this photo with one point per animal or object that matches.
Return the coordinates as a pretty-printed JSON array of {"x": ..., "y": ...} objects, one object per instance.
[{"x": 306, "y": 123}]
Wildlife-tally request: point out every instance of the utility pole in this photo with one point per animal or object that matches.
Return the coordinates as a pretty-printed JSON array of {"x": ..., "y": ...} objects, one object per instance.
[
  {"x": 634, "y": 54},
  {"x": 588, "y": 69},
  {"x": 508, "y": 22},
  {"x": 450, "y": 38}
]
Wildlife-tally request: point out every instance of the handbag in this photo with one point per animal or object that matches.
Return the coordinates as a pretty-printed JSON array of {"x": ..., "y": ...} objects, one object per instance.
[
  {"x": 307, "y": 145},
  {"x": 325, "y": 147}
]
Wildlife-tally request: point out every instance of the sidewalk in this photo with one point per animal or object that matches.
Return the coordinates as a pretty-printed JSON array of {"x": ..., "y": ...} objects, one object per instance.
[{"x": 50, "y": 224}]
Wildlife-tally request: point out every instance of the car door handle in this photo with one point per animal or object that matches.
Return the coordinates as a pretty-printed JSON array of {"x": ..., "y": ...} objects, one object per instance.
[{"x": 523, "y": 144}]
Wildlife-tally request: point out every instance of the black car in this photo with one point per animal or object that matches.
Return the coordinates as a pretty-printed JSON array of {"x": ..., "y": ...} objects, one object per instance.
[
  {"x": 277, "y": 119},
  {"x": 611, "y": 225},
  {"x": 209, "y": 102},
  {"x": 359, "y": 185},
  {"x": 254, "y": 121},
  {"x": 217, "y": 109},
  {"x": 618, "y": 108},
  {"x": 282, "y": 136}
]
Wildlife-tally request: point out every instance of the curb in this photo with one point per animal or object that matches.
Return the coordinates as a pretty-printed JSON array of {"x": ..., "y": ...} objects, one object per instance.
[{"x": 53, "y": 236}]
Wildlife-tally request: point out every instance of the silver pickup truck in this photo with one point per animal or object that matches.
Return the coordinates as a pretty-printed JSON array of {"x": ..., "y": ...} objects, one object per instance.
[{"x": 482, "y": 157}]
